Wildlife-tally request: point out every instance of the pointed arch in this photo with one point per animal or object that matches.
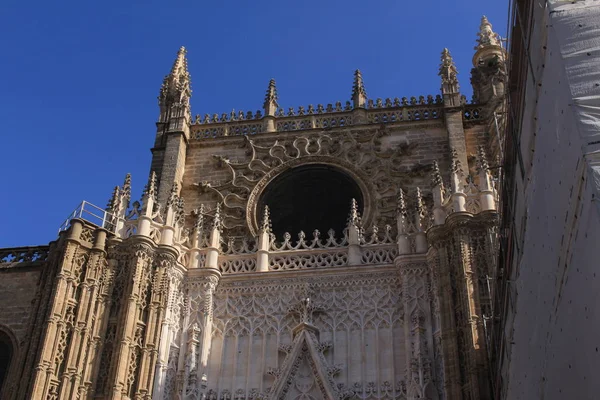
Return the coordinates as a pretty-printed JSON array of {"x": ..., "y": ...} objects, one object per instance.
[{"x": 8, "y": 356}]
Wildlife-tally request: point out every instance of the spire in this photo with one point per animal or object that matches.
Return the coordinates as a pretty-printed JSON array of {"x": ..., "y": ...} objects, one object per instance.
[
  {"x": 175, "y": 92},
  {"x": 149, "y": 195},
  {"x": 198, "y": 228},
  {"x": 486, "y": 37},
  {"x": 354, "y": 216},
  {"x": 455, "y": 165},
  {"x": 419, "y": 206},
  {"x": 265, "y": 224},
  {"x": 359, "y": 94},
  {"x": 456, "y": 172},
  {"x": 180, "y": 212},
  {"x": 113, "y": 203},
  {"x": 448, "y": 73},
  {"x": 436, "y": 176},
  {"x": 270, "y": 105},
  {"x": 172, "y": 199},
  {"x": 482, "y": 164},
  {"x": 401, "y": 204},
  {"x": 217, "y": 221},
  {"x": 126, "y": 191},
  {"x": 199, "y": 223},
  {"x": 150, "y": 188}
]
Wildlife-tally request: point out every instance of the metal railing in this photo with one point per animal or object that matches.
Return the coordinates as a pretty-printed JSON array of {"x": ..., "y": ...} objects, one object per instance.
[{"x": 92, "y": 214}]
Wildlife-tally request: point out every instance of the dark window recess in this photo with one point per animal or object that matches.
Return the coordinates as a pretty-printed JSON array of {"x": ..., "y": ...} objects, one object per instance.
[
  {"x": 308, "y": 198},
  {"x": 6, "y": 352}
]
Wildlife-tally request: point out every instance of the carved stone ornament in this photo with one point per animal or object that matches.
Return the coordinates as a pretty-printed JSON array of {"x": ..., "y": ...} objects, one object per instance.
[{"x": 360, "y": 154}]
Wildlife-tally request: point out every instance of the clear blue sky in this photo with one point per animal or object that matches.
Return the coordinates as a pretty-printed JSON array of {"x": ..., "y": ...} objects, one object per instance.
[{"x": 80, "y": 79}]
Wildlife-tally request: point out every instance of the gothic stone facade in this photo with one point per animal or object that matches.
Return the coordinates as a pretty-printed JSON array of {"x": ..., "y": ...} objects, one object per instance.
[{"x": 188, "y": 294}]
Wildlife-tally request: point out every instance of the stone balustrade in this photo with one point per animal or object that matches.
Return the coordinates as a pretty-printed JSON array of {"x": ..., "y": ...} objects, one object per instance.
[
  {"x": 322, "y": 117},
  {"x": 13, "y": 256}
]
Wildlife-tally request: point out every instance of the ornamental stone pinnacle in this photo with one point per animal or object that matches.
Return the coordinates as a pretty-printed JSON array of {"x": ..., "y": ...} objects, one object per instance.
[
  {"x": 354, "y": 216},
  {"x": 436, "y": 176},
  {"x": 217, "y": 221},
  {"x": 419, "y": 206},
  {"x": 265, "y": 224},
  {"x": 486, "y": 36},
  {"x": 359, "y": 94},
  {"x": 172, "y": 200},
  {"x": 401, "y": 204},
  {"x": 199, "y": 223},
  {"x": 150, "y": 188},
  {"x": 448, "y": 72},
  {"x": 270, "y": 105},
  {"x": 176, "y": 85},
  {"x": 455, "y": 165},
  {"x": 180, "y": 211},
  {"x": 482, "y": 163},
  {"x": 126, "y": 191},
  {"x": 113, "y": 203}
]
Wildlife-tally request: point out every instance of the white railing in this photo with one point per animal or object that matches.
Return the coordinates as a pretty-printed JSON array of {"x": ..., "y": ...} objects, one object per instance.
[{"x": 92, "y": 214}]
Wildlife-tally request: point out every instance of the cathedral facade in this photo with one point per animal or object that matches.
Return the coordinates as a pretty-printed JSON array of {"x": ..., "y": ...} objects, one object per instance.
[{"x": 338, "y": 251}]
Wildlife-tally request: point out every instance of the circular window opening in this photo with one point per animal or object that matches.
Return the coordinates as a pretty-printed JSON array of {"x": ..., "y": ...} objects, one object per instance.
[{"x": 310, "y": 197}]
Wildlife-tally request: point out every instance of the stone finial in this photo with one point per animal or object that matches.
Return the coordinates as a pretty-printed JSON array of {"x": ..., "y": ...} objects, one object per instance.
[
  {"x": 176, "y": 88},
  {"x": 419, "y": 205},
  {"x": 199, "y": 222},
  {"x": 265, "y": 224},
  {"x": 150, "y": 188},
  {"x": 436, "y": 176},
  {"x": 354, "y": 216},
  {"x": 401, "y": 204},
  {"x": 482, "y": 163},
  {"x": 217, "y": 221},
  {"x": 149, "y": 195},
  {"x": 455, "y": 165},
  {"x": 359, "y": 94},
  {"x": 126, "y": 190},
  {"x": 486, "y": 36},
  {"x": 180, "y": 207},
  {"x": 113, "y": 203},
  {"x": 448, "y": 73},
  {"x": 173, "y": 196},
  {"x": 270, "y": 105},
  {"x": 456, "y": 173}
]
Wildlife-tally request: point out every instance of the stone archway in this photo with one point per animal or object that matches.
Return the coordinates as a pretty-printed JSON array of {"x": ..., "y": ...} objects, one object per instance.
[
  {"x": 7, "y": 357},
  {"x": 309, "y": 197}
]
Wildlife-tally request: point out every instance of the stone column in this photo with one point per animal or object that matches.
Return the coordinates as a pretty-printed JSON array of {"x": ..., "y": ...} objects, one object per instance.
[
  {"x": 57, "y": 330},
  {"x": 439, "y": 237},
  {"x": 201, "y": 287},
  {"x": 86, "y": 297},
  {"x": 414, "y": 274}
]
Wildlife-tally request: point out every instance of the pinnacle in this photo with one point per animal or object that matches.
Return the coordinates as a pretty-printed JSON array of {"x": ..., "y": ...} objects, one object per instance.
[
  {"x": 217, "y": 221},
  {"x": 436, "y": 176},
  {"x": 486, "y": 36},
  {"x": 447, "y": 64},
  {"x": 271, "y": 95},
  {"x": 126, "y": 191},
  {"x": 354, "y": 216},
  {"x": 358, "y": 88},
  {"x": 199, "y": 223},
  {"x": 456, "y": 166},
  {"x": 482, "y": 163},
  {"x": 401, "y": 203},
  {"x": 180, "y": 62},
  {"x": 150, "y": 189},
  {"x": 114, "y": 199},
  {"x": 420, "y": 206},
  {"x": 265, "y": 225},
  {"x": 172, "y": 200},
  {"x": 176, "y": 85}
]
